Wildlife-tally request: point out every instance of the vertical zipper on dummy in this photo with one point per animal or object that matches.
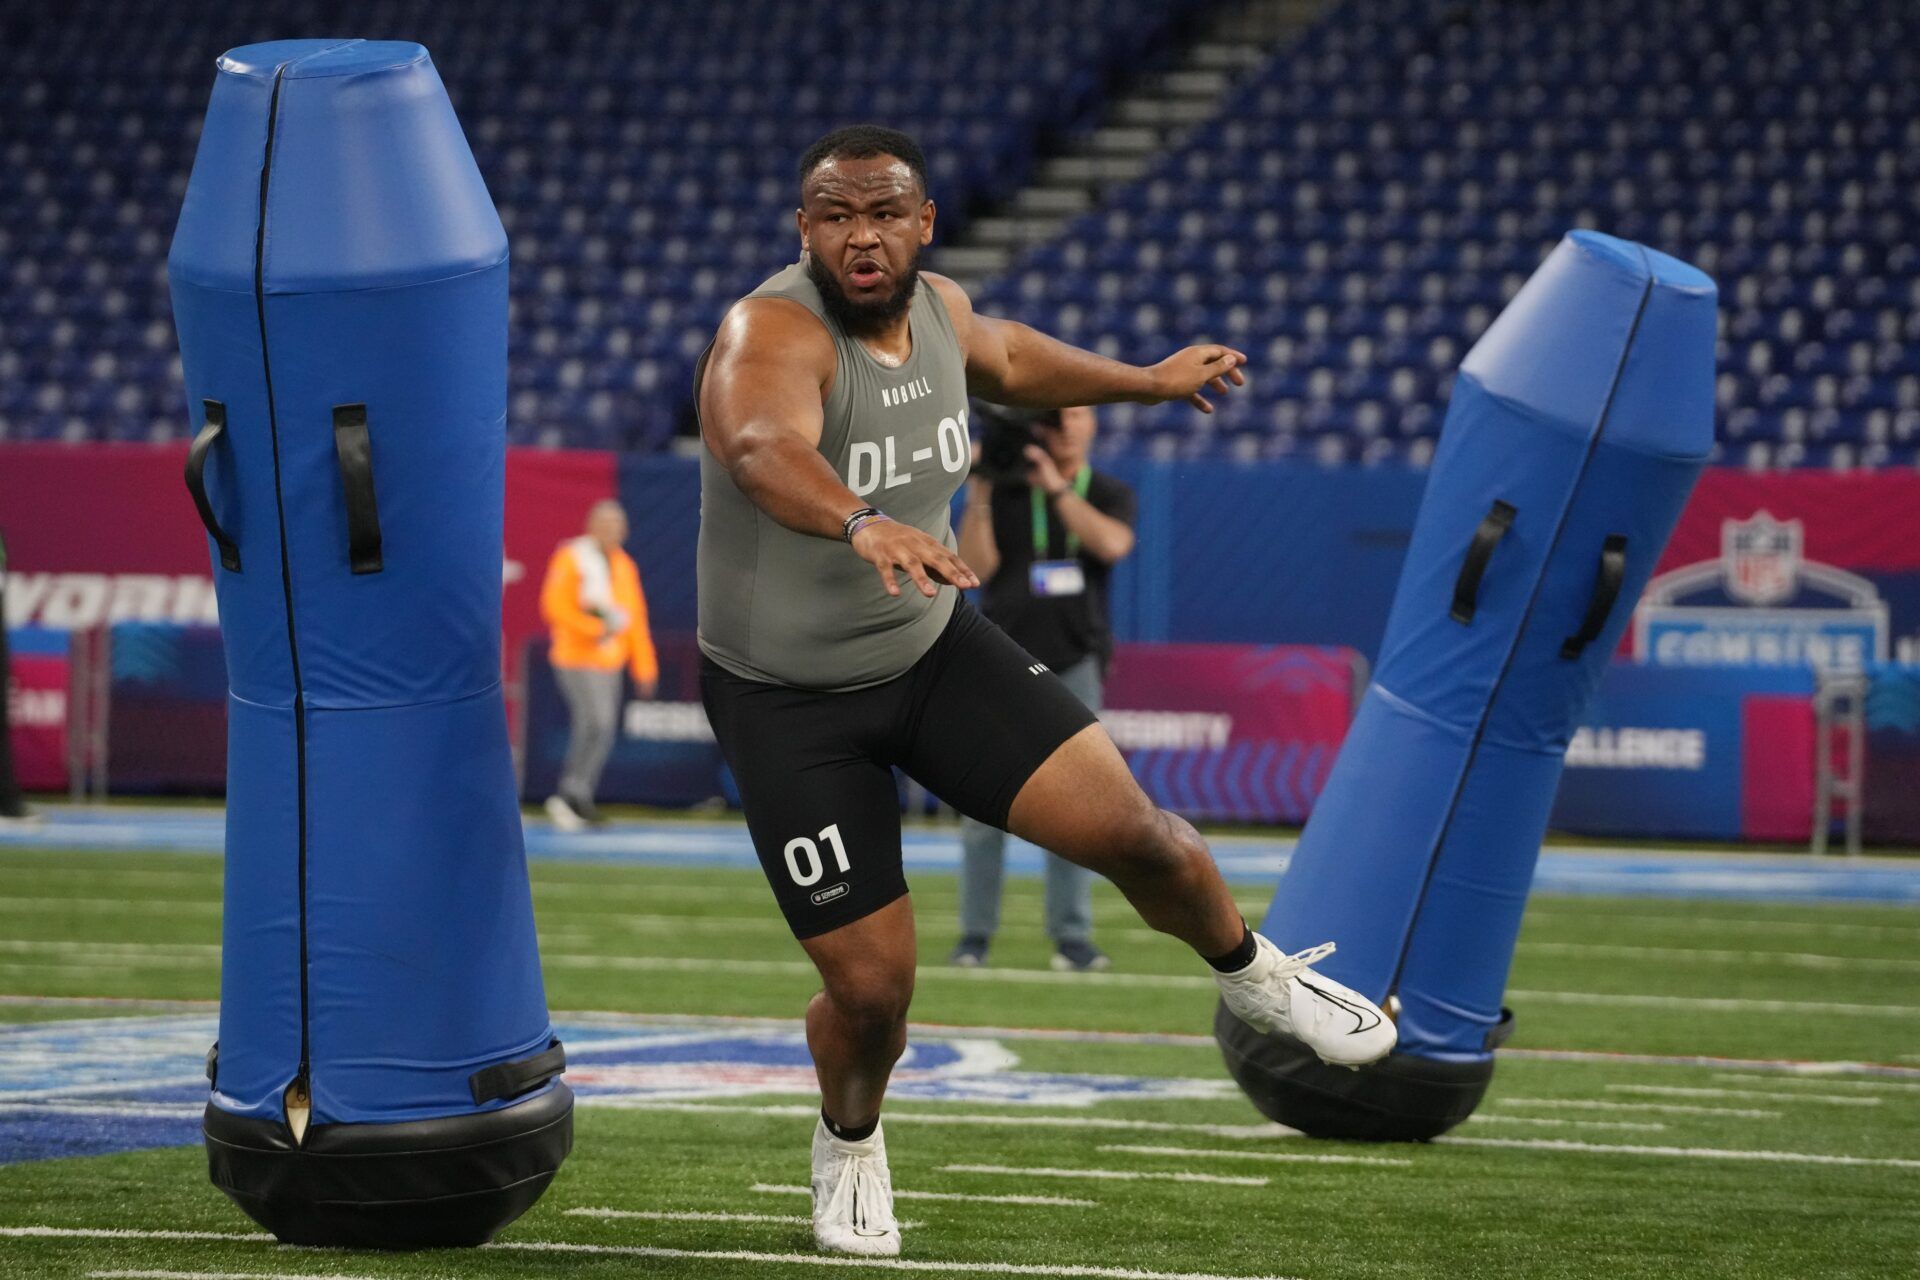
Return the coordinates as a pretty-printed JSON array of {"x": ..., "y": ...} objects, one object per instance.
[{"x": 298, "y": 1096}]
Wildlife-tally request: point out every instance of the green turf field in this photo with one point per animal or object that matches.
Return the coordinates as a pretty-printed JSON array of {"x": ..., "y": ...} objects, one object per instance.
[{"x": 1741, "y": 1168}]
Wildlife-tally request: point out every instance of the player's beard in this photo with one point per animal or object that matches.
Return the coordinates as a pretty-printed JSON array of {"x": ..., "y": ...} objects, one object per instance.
[{"x": 864, "y": 317}]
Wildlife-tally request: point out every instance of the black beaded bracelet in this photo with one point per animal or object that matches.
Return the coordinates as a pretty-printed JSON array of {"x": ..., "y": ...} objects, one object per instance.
[{"x": 859, "y": 520}]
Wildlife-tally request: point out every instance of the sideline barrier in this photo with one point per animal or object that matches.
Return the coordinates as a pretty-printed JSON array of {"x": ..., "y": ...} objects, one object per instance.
[{"x": 1237, "y": 733}]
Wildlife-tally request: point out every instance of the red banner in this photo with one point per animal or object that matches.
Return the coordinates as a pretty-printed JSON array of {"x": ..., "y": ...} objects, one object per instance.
[
  {"x": 548, "y": 494},
  {"x": 37, "y": 718},
  {"x": 1235, "y": 731},
  {"x": 1866, "y": 521}
]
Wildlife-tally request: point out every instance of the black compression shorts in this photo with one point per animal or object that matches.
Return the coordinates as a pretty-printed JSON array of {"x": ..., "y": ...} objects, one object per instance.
[{"x": 971, "y": 721}]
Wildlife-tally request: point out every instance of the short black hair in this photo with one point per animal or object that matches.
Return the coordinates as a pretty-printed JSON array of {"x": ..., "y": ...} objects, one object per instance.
[{"x": 859, "y": 141}]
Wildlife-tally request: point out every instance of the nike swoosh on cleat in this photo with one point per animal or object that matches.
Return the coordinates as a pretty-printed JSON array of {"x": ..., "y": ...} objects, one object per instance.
[{"x": 1360, "y": 1015}]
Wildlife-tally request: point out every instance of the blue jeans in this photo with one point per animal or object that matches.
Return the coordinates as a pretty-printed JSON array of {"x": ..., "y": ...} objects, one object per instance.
[{"x": 983, "y": 857}]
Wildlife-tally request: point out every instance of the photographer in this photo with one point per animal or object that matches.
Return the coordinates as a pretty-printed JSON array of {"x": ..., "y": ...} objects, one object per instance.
[{"x": 1043, "y": 530}]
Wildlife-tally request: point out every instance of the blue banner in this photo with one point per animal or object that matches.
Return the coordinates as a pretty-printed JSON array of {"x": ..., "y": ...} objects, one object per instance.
[{"x": 1663, "y": 751}]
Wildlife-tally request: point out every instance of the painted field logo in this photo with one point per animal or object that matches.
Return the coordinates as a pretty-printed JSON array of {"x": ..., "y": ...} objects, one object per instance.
[
  {"x": 1762, "y": 603},
  {"x": 122, "y": 1084}
]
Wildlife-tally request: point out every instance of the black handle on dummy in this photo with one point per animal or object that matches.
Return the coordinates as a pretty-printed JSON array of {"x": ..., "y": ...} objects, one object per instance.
[
  {"x": 354, "y": 448},
  {"x": 212, "y": 427},
  {"x": 1606, "y": 591},
  {"x": 1466, "y": 588},
  {"x": 511, "y": 1079}
]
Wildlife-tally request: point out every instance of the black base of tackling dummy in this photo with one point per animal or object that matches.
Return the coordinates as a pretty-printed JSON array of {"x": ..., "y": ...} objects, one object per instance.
[
  {"x": 1400, "y": 1098},
  {"x": 426, "y": 1184}
]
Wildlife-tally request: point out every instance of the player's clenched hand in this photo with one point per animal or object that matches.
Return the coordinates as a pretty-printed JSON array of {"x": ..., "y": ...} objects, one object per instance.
[
  {"x": 1188, "y": 373},
  {"x": 893, "y": 548}
]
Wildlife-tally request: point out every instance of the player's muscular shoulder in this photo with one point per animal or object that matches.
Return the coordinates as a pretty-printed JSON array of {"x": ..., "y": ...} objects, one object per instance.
[
  {"x": 983, "y": 342},
  {"x": 774, "y": 334},
  {"x": 959, "y": 305},
  {"x": 771, "y": 367}
]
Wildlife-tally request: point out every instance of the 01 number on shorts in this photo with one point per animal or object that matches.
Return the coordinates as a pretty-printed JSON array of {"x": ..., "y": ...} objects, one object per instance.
[{"x": 803, "y": 856}]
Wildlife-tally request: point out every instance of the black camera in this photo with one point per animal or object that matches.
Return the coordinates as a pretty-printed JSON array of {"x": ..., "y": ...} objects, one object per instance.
[{"x": 1004, "y": 437}]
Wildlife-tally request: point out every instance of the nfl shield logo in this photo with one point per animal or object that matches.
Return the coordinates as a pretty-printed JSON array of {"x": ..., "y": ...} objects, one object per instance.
[{"x": 1761, "y": 558}]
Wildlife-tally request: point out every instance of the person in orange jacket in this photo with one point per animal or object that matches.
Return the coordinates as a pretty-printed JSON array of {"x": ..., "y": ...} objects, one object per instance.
[{"x": 593, "y": 604}]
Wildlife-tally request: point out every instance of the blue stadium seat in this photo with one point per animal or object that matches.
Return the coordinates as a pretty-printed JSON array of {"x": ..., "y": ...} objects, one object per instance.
[
  {"x": 614, "y": 138},
  {"x": 1364, "y": 202}
]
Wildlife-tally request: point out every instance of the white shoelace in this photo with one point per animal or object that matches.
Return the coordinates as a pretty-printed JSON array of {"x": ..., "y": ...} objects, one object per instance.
[
  {"x": 862, "y": 1195},
  {"x": 1288, "y": 966}
]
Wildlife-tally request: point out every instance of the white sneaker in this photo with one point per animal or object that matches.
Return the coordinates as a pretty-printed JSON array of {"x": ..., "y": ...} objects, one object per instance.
[
  {"x": 1278, "y": 992},
  {"x": 564, "y": 818},
  {"x": 853, "y": 1195}
]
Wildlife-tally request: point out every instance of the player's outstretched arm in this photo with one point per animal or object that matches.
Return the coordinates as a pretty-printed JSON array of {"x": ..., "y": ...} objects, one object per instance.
[
  {"x": 760, "y": 413},
  {"x": 1012, "y": 363}
]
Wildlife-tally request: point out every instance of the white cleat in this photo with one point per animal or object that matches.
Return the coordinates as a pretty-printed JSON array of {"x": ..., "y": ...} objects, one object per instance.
[
  {"x": 1278, "y": 992},
  {"x": 564, "y": 818},
  {"x": 853, "y": 1196}
]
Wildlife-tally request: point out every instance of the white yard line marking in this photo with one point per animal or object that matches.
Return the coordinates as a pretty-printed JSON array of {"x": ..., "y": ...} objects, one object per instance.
[
  {"x": 87, "y": 956},
  {"x": 896, "y": 1116},
  {"x": 1689, "y": 1153},
  {"x": 1105, "y": 1175},
  {"x": 116, "y": 906},
  {"x": 1184, "y": 982},
  {"x": 1678, "y": 1091},
  {"x": 1056, "y": 1202},
  {"x": 1069, "y": 1272},
  {"x": 1186, "y": 1039},
  {"x": 1813, "y": 1076},
  {"x": 85, "y": 871},
  {"x": 1789, "y": 1065},
  {"x": 1702, "y": 955},
  {"x": 677, "y": 924},
  {"x": 1065, "y": 1271},
  {"x": 222, "y": 1275},
  {"x": 804, "y": 968},
  {"x": 1658, "y": 1108},
  {"x": 639, "y": 886},
  {"x": 1277, "y": 1157},
  {"x": 1020, "y": 891},
  {"x": 1693, "y": 923},
  {"x": 106, "y": 1002},
  {"x": 81, "y": 966},
  {"x": 702, "y": 1215},
  {"x": 89, "y": 948},
  {"x": 1717, "y": 1004},
  {"x": 1178, "y": 1039},
  {"x": 133, "y": 1110},
  {"x": 1561, "y": 1122},
  {"x": 126, "y": 1233}
]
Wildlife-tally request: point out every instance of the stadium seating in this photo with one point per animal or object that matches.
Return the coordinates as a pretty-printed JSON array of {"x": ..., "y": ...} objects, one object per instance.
[
  {"x": 642, "y": 157},
  {"x": 1368, "y": 199},
  {"x": 1354, "y": 216}
]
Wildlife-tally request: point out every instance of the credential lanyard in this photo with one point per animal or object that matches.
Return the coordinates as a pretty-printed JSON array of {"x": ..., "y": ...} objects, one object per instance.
[{"x": 1081, "y": 480}]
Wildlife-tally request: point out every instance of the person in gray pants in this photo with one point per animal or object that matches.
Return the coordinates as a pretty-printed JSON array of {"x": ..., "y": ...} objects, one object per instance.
[
  {"x": 1044, "y": 535},
  {"x": 594, "y": 605}
]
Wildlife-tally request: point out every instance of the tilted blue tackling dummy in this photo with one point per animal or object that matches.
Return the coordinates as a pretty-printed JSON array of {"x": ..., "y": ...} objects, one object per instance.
[
  {"x": 1578, "y": 424},
  {"x": 386, "y": 1073}
]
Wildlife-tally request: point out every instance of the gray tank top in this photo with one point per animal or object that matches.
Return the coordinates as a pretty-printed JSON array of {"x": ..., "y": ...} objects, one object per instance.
[{"x": 791, "y": 609}]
